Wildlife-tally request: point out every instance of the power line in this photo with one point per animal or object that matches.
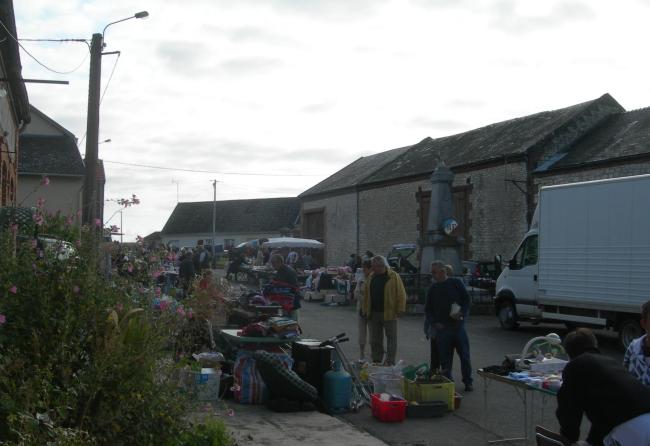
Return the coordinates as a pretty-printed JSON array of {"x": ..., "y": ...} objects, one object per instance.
[
  {"x": 257, "y": 174},
  {"x": 38, "y": 61},
  {"x": 104, "y": 92},
  {"x": 110, "y": 77},
  {"x": 54, "y": 40}
]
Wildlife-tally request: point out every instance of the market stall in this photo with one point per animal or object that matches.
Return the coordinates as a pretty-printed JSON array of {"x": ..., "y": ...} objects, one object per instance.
[{"x": 537, "y": 371}]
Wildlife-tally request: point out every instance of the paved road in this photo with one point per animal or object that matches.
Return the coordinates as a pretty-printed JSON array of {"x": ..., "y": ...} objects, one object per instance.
[{"x": 467, "y": 426}]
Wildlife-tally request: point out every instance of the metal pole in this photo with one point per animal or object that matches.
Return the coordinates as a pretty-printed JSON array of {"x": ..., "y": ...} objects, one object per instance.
[
  {"x": 89, "y": 209},
  {"x": 214, "y": 216},
  {"x": 121, "y": 228}
]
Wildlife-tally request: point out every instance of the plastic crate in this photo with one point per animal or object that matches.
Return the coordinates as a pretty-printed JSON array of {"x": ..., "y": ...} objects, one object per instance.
[
  {"x": 425, "y": 410},
  {"x": 388, "y": 411},
  {"x": 424, "y": 392}
]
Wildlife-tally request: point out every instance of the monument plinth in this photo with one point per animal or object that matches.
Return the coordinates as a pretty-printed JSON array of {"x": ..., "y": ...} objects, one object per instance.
[{"x": 440, "y": 241}]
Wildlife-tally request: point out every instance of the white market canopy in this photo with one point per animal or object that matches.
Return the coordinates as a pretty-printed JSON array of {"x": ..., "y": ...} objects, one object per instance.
[{"x": 290, "y": 242}]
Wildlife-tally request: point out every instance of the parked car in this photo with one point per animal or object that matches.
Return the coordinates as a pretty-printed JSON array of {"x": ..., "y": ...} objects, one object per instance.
[
  {"x": 399, "y": 255},
  {"x": 482, "y": 274}
]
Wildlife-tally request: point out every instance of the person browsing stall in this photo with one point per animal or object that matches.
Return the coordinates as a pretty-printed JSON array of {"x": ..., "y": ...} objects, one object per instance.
[
  {"x": 283, "y": 273},
  {"x": 637, "y": 355},
  {"x": 446, "y": 309},
  {"x": 384, "y": 300},
  {"x": 361, "y": 276},
  {"x": 615, "y": 402}
]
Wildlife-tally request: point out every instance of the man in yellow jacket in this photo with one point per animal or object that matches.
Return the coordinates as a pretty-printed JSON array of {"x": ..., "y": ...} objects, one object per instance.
[{"x": 384, "y": 300}]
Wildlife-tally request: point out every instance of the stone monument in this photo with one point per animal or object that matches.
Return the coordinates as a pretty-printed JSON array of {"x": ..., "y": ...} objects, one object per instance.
[{"x": 440, "y": 241}]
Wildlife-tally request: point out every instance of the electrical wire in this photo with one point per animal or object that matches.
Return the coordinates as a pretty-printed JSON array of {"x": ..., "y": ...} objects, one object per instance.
[
  {"x": 110, "y": 77},
  {"x": 103, "y": 93},
  {"x": 54, "y": 40},
  {"x": 38, "y": 61},
  {"x": 257, "y": 174}
]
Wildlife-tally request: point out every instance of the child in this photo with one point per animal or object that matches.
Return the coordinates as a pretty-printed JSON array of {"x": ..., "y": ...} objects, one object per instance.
[{"x": 637, "y": 356}]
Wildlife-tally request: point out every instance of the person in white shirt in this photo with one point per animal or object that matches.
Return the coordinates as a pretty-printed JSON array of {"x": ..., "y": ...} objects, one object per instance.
[
  {"x": 364, "y": 324},
  {"x": 637, "y": 355}
]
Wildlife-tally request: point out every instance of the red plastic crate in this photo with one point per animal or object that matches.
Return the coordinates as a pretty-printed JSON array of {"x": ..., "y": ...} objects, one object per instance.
[{"x": 388, "y": 411}]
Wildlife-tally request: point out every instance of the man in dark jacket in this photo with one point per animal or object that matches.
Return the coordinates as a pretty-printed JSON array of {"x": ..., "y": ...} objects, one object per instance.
[
  {"x": 186, "y": 272},
  {"x": 283, "y": 273},
  {"x": 446, "y": 308},
  {"x": 615, "y": 402}
]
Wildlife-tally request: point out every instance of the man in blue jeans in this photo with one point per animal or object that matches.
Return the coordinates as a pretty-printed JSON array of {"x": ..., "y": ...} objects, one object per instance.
[{"x": 446, "y": 308}]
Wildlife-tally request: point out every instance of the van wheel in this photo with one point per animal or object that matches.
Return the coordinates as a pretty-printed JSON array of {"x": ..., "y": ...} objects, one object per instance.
[
  {"x": 628, "y": 331},
  {"x": 507, "y": 315}
]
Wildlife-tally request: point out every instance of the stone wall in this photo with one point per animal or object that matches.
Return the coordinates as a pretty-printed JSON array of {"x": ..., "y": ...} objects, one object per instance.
[
  {"x": 623, "y": 170},
  {"x": 388, "y": 215},
  {"x": 340, "y": 213}
]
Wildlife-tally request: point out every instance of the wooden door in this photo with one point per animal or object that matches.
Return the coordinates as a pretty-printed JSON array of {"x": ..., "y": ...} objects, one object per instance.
[{"x": 313, "y": 227}]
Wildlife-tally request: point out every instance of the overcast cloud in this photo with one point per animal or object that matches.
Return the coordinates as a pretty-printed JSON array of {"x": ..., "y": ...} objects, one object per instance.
[{"x": 307, "y": 86}]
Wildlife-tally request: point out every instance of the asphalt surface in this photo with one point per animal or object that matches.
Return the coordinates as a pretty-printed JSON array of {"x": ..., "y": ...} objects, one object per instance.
[{"x": 472, "y": 423}]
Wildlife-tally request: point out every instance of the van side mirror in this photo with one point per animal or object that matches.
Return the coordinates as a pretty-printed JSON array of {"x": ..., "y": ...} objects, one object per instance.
[
  {"x": 498, "y": 264},
  {"x": 512, "y": 264}
]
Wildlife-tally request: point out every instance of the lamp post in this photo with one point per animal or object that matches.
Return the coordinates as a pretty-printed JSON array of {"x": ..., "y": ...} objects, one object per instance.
[{"x": 90, "y": 205}]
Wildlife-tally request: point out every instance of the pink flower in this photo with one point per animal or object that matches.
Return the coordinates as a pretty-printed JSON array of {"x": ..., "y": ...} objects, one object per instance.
[
  {"x": 230, "y": 412},
  {"x": 3, "y": 319},
  {"x": 158, "y": 291},
  {"x": 38, "y": 219},
  {"x": 13, "y": 289},
  {"x": 45, "y": 181},
  {"x": 180, "y": 311},
  {"x": 40, "y": 203},
  {"x": 119, "y": 306},
  {"x": 235, "y": 388},
  {"x": 129, "y": 268},
  {"x": 155, "y": 274},
  {"x": 98, "y": 222},
  {"x": 189, "y": 314},
  {"x": 75, "y": 289},
  {"x": 69, "y": 220},
  {"x": 164, "y": 304}
]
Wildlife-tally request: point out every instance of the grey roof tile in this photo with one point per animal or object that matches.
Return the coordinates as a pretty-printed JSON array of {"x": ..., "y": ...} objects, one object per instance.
[
  {"x": 238, "y": 216},
  {"x": 620, "y": 135},
  {"x": 49, "y": 154}
]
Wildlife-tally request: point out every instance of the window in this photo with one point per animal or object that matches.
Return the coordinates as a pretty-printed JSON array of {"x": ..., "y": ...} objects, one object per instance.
[
  {"x": 228, "y": 243},
  {"x": 530, "y": 256},
  {"x": 526, "y": 255}
]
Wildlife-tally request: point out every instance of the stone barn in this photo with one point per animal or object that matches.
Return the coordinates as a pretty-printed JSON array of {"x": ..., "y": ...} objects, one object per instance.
[{"x": 383, "y": 199}]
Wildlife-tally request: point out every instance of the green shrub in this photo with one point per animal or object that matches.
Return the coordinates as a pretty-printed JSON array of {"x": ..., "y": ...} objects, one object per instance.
[
  {"x": 76, "y": 351},
  {"x": 211, "y": 433}
]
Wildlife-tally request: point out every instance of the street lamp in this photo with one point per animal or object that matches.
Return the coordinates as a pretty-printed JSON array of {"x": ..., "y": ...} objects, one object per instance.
[
  {"x": 90, "y": 205},
  {"x": 104, "y": 141},
  {"x": 137, "y": 15}
]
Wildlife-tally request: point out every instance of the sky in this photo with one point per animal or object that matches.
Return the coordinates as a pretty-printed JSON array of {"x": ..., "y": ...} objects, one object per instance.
[{"x": 273, "y": 96}]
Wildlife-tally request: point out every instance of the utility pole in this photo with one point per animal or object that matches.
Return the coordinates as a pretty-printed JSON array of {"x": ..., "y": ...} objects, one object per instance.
[
  {"x": 89, "y": 208},
  {"x": 121, "y": 228},
  {"x": 214, "y": 217},
  {"x": 90, "y": 205}
]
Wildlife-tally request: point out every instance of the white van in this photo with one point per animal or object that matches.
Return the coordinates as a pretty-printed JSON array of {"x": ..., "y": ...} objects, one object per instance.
[{"x": 585, "y": 261}]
